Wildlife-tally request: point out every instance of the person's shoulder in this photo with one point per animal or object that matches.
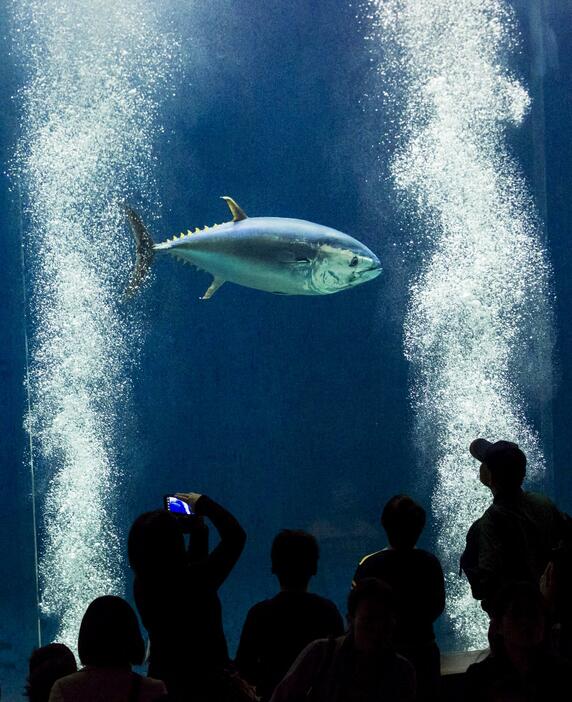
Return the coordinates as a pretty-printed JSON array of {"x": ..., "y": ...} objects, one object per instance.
[
  {"x": 403, "y": 663},
  {"x": 426, "y": 559},
  {"x": 320, "y": 601},
  {"x": 57, "y": 692},
  {"x": 81, "y": 676},
  {"x": 73, "y": 679},
  {"x": 496, "y": 516},
  {"x": 482, "y": 668},
  {"x": 370, "y": 565},
  {"x": 479, "y": 676},
  {"x": 485, "y": 516},
  {"x": 154, "y": 686},
  {"x": 541, "y": 505},
  {"x": 532, "y": 496},
  {"x": 263, "y": 604},
  {"x": 284, "y": 602},
  {"x": 422, "y": 555},
  {"x": 371, "y": 558},
  {"x": 73, "y": 686},
  {"x": 324, "y": 608},
  {"x": 317, "y": 644},
  {"x": 315, "y": 649},
  {"x": 539, "y": 499},
  {"x": 261, "y": 609}
]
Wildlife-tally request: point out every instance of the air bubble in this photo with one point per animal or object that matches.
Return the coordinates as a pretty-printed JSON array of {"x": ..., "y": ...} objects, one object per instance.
[
  {"x": 485, "y": 280},
  {"x": 88, "y": 124}
]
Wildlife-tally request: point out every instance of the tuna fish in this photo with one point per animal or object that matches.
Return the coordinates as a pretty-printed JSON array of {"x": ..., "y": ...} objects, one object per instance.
[{"x": 274, "y": 254}]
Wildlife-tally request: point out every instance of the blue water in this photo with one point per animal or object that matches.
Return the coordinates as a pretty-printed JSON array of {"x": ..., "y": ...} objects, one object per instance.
[{"x": 293, "y": 412}]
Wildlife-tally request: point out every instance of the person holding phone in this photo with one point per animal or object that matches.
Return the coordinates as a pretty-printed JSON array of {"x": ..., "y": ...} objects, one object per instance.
[{"x": 176, "y": 587}]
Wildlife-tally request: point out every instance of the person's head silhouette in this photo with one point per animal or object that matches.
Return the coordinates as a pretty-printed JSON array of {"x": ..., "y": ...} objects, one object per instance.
[
  {"x": 109, "y": 635},
  {"x": 48, "y": 664},
  {"x": 294, "y": 558},
  {"x": 503, "y": 464},
  {"x": 371, "y": 615},
  {"x": 403, "y": 520},
  {"x": 156, "y": 541}
]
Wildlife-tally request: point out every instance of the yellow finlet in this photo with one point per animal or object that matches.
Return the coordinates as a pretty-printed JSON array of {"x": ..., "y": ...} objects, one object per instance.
[{"x": 237, "y": 212}]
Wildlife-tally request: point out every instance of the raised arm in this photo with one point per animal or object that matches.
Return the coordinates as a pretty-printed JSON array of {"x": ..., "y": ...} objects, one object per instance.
[{"x": 218, "y": 564}]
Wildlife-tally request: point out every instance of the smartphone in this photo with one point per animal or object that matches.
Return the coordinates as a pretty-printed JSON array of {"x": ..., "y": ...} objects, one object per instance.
[{"x": 177, "y": 506}]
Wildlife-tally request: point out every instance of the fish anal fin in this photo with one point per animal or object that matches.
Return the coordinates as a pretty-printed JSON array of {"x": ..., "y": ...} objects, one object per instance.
[
  {"x": 237, "y": 212},
  {"x": 213, "y": 287}
]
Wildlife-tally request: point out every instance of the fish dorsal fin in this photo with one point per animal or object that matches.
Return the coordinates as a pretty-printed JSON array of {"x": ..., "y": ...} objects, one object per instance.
[{"x": 236, "y": 211}]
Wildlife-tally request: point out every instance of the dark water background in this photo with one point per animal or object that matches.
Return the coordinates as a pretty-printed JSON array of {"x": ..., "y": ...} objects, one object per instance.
[{"x": 292, "y": 412}]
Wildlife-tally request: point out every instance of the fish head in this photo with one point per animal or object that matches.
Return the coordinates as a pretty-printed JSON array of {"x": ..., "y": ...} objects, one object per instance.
[{"x": 343, "y": 264}]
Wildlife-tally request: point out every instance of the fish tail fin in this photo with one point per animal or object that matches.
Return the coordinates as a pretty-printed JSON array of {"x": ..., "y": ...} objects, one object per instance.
[{"x": 144, "y": 252}]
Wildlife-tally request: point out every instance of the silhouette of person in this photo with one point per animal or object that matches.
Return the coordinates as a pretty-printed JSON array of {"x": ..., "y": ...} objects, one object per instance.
[
  {"x": 556, "y": 587},
  {"x": 520, "y": 667},
  {"x": 360, "y": 665},
  {"x": 109, "y": 643},
  {"x": 176, "y": 594},
  {"x": 276, "y": 630},
  {"x": 48, "y": 664},
  {"x": 417, "y": 580},
  {"x": 514, "y": 538}
]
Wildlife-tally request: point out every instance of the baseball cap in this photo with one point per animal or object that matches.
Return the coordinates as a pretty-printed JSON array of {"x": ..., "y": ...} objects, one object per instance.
[{"x": 501, "y": 454}]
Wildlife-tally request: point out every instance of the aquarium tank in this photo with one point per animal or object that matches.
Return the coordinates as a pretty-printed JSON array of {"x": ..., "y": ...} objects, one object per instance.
[{"x": 436, "y": 134}]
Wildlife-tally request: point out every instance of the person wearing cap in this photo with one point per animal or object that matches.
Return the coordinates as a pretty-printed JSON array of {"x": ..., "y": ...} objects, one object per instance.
[{"x": 514, "y": 538}]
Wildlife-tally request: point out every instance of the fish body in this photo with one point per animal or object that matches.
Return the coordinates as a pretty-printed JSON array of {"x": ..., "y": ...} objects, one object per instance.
[{"x": 273, "y": 254}]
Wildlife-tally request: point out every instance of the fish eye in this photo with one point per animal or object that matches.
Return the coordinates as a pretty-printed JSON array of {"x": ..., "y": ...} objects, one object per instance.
[{"x": 354, "y": 262}]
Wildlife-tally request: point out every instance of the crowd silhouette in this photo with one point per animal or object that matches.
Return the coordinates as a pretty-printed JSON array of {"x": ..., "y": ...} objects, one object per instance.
[{"x": 295, "y": 646}]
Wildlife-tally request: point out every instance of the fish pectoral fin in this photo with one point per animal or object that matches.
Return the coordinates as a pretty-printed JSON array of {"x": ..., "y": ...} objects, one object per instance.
[
  {"x": 237, "y": 212},
  {"x": 213, "y": 287}
]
